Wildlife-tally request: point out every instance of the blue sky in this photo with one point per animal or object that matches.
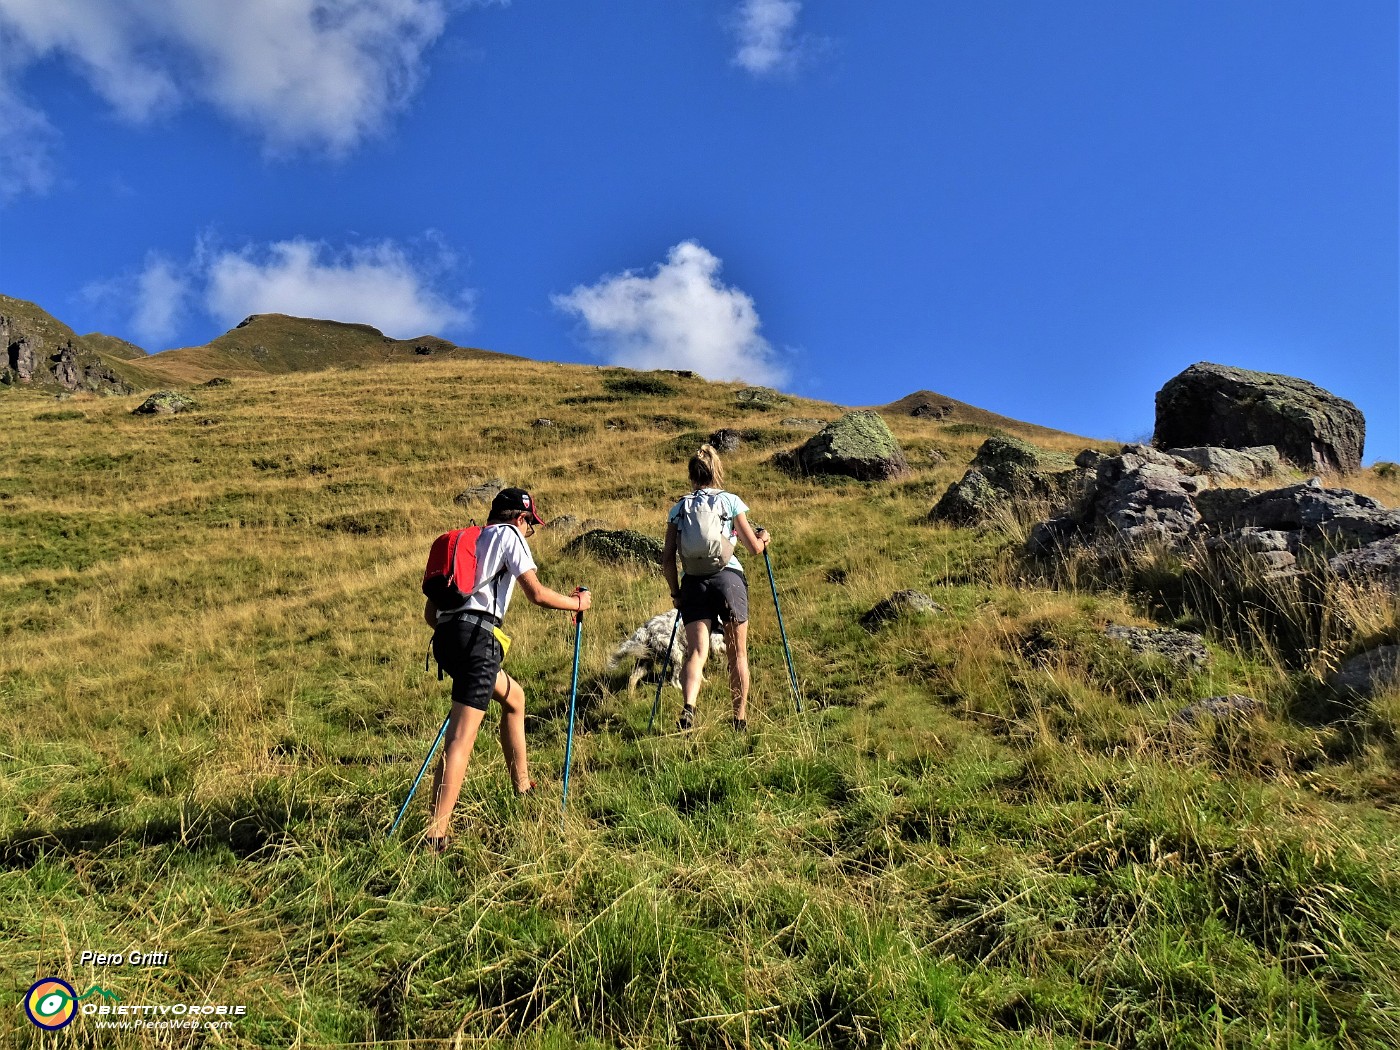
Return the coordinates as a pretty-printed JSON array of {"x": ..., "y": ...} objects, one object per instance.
[{"x": 1043, "y": 209}]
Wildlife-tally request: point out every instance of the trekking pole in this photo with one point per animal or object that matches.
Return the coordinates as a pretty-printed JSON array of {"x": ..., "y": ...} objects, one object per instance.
[
  {"x": 419, "y": 777},
  {"x": 792, "y": 675},
  {"x": 665, "y": 669},
  {"x": 573, "y": 695}
]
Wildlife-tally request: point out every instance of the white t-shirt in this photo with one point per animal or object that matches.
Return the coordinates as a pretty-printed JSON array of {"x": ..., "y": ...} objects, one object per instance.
[{"x": 499, "y": 547}]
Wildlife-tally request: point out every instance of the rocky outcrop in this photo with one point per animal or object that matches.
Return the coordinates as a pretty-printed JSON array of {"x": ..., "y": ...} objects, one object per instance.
[
  {"x": 1007, "y": 468},
  {"x": 1146, "y": 497},
  {"x": 41, "y": 351},
  {"x": 858, "y": 445},
  {"x": 1235, "y": 408}
]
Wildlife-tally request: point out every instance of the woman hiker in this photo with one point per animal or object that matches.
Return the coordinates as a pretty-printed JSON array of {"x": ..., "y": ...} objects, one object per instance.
[
  {"x": 468, "y": 647},
  {"x": 700, "y": 535}
]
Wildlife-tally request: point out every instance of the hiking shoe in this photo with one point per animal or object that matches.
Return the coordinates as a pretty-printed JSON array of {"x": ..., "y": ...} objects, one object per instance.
[
  {"x": 530, "y": 790},
  {"x": 439, "y": 845},
  {"x": 740, "y": 724},
  {"x": 687, "y": 719}
]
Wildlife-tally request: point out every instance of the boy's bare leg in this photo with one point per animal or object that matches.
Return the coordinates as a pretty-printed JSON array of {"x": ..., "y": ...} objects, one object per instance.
[
  {"x": 697, "y": 641},
  {"x": 511, "y": 697},
  {"x": 452, "y": 767},
  {"x": 736, "y": 642}
]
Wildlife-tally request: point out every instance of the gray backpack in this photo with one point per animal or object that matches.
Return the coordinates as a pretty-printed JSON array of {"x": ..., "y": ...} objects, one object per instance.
[{"x": 701, "y": 543}]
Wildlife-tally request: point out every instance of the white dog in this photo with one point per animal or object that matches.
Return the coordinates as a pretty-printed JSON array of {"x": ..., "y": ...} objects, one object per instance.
[{"x": 648, "y": 646}]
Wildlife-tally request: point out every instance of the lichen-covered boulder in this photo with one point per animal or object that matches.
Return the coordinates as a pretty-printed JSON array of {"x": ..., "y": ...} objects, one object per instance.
[
  {"x": 761, "y": 398},
  {"x": 1182, "y": 648},
  {"x": 1210, "y": 404},
  {"x": 970, "y": 501},
  {"x": 617, "y": 545},
  {"x": 164, "y": 402},
  {"x": 1007, "y": 468},
  {"x": 858, "y": 445},
  {"x": 899, "y": 606}
]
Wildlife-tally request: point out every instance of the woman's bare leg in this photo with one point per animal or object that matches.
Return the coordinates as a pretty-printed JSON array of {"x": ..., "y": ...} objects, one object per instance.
[
  {"x": 736, "y": 643},
  {"x": 511, "y": 697},
  {"x": 456, "y": 753},
  {"x": 697, "y": 641}
]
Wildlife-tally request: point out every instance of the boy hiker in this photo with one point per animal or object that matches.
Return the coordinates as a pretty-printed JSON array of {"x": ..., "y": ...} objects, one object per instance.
[{"x": 469, "y": 646}]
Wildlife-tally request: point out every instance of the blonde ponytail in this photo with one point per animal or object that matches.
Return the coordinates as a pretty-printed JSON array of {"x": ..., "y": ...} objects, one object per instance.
[{"x": 705, "y": 468}]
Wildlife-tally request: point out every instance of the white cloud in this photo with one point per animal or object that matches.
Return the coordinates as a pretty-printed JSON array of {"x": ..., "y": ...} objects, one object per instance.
[
  {"x": 318, "y": 74},
  {"x": 681, "y": 316},
  {"x": 25, "y": 161},
  {"x": 377, "y": 284},
  {"x": 161, "y": 293},
  {"x": 766, "y": 30}
]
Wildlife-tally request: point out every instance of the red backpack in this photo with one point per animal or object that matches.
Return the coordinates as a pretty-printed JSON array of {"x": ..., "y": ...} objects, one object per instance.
[{"x": 452, "y": 562}]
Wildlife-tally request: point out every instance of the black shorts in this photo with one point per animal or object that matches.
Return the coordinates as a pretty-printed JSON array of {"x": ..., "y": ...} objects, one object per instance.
[
  {"x": 723, "y": 597},
  {"x": 467, "y": 650}
]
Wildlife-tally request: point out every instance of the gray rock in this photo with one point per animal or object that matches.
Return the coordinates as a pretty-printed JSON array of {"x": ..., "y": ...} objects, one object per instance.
[
  {"x": 563, "y": 522},
  {"x": 1182, "y": 648},
  {"x": 858, "y": 445},
  {"x": 164, "y": 402},
  {"x": 1378, "y": 561},
  {"x": 1369, "y": 673},
  {"x": 543, "y": 424},
  {"x": 899, "y": 605},
  {"x": 1339, "y": 516},
  {"x": 726, "y": 439},
  {"x": 1226, "y": 407},
  {"x": 485, "y": 492},
  {"x": 1250, "y": 464},
  {"x": 1231, "y": 707},
  {"x": 1151, "y": 504}
]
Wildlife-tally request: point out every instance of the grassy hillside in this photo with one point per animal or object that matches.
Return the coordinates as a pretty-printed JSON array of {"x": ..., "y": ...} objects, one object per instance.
[{"x": 985, "y": 831}]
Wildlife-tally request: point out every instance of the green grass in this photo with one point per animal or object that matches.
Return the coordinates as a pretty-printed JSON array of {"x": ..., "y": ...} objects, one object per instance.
[{"x": 985, "y": 831}]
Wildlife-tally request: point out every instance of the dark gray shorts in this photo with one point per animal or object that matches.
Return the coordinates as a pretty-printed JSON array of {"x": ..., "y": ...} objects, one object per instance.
[
  {"x": 468, "y": 651},
  {"x": 723, "y": 597}
]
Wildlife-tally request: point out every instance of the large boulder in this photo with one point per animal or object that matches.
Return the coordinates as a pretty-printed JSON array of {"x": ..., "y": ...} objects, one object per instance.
[
  {"x": 858, "y": 445},
  {"x": 1235, "y": 408}
]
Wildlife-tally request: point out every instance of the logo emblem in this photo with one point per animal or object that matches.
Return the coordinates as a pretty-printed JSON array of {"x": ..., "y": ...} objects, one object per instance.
[{"x": 51, "y": 1003}]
